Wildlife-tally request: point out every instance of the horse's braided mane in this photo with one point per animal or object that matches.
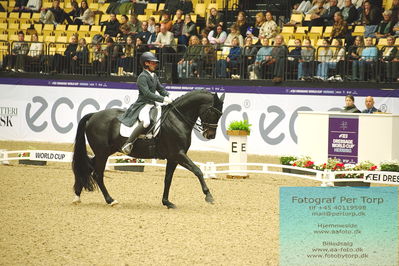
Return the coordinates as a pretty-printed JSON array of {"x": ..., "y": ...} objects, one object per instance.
[{"x": 191, "y": 93}]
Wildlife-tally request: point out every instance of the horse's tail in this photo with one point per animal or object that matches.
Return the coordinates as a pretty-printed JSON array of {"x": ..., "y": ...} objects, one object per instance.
[{"x": 81, "y": 164}]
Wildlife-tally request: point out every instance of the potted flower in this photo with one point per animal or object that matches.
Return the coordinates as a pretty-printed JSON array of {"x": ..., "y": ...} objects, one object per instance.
[
  {"x": 367, "y": 166},
  {"x": 132, "y": 168},
  {"x": 287, "y": 160},
  {"x": 390, "y": 166},
  {"x": 303, "y": 162},
  {"x": 27, "y": 161},
  {"x": 239, "y": 128}
]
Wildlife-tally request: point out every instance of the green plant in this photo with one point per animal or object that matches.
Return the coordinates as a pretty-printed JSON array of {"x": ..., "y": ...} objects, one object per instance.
[
  {"x": 129, "y": 160},
  {"x": 304, "y": 162},
  {"x": 25, "y": 154},
  {"x": 287, "y": 160},
  {"x": 390, "y": 166},
  {"x": 240, "y": 125}
]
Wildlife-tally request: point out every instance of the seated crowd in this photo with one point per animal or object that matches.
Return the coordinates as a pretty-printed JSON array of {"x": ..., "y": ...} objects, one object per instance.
[{"x": 245, "y": 50}]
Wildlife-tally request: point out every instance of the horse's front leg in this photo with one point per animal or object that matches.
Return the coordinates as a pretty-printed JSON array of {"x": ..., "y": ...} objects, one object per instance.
[
  {"x": 186, "y": 162},
  {"x": 170, "y": 169}
]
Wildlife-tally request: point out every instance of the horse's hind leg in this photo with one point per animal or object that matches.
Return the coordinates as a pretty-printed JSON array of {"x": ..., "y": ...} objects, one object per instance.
[
  {"x": 99, "y": 167},
  {"x": 78, "y": 187}
]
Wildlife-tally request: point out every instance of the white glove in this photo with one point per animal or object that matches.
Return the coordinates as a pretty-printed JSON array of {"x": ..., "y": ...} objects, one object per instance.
[{"x": 167, "y": 100}]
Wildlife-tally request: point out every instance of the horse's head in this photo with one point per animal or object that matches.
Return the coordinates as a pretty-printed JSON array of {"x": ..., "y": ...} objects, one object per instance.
[{"x": 210, "y": 116}]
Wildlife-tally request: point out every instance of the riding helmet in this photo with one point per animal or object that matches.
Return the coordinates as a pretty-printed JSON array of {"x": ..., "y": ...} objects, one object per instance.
[{"x": 146, "y": 57}]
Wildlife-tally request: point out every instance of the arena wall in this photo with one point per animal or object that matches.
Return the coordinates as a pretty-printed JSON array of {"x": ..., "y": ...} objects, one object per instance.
[{"x": 49, "y": 110}]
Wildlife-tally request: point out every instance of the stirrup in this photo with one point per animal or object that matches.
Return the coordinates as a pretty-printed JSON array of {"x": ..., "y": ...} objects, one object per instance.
[{"x": 127, "y": 148}]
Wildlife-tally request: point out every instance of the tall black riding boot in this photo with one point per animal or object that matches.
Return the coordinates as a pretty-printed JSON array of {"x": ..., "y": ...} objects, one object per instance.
[{"x": 128, "y": 146}]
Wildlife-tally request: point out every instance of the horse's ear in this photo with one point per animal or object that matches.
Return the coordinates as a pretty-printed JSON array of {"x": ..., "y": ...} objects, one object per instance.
[{"x": 222, "y": 97}]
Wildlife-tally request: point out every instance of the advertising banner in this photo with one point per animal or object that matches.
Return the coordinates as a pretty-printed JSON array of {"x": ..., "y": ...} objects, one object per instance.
[
  {"x": 49, "y": 110},
  {"x": 343, "y": 136}
]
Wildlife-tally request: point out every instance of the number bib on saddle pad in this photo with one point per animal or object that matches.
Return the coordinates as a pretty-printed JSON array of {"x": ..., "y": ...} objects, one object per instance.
[{"x": 154, "y": 127}]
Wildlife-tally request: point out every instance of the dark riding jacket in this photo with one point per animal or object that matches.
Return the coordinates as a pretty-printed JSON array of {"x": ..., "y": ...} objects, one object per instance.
[{"x": 147, "y": 88}]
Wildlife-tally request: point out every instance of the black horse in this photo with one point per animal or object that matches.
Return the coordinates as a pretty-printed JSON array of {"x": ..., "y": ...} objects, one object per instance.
[{"x": 172, "y": 143}]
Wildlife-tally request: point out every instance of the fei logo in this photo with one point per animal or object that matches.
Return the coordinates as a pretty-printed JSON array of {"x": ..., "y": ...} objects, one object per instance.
[{"x": 6, "y": 116}]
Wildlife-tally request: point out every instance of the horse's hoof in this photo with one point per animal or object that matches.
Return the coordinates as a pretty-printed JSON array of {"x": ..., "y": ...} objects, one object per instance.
[
  {"x": 115, "y": 202},
  {"x": 76, "y": 200},
  {"x": 209, "y": 199},
  {"x": 169, "y": 204}
]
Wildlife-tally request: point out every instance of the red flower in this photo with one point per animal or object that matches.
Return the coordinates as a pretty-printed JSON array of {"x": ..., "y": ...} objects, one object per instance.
[
  {"x": 294, "y": 164},
  {"x": 372, "y": 168}
]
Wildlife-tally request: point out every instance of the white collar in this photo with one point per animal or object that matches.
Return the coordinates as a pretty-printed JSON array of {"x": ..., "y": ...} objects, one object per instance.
[{"x": 152, "y": 74}]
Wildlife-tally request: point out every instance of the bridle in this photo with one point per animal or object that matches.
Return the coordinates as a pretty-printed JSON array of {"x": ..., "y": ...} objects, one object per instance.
[{"x": 203, "y": 126}]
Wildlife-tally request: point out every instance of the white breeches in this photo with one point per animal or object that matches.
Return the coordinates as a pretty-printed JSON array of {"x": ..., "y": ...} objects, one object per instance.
[{"x": 144, "y": 115}]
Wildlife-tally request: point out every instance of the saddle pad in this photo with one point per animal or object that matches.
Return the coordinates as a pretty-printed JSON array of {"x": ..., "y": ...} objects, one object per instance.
[{"x": 126, "y": 131}]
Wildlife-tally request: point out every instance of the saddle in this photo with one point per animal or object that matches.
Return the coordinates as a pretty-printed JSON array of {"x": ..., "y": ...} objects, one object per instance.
[{"x": 151, "y": 131}]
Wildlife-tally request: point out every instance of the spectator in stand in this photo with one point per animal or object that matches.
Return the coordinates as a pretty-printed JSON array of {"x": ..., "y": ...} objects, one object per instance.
[
  {"x": 35, "y": 54},
  {"x": 86, "y": 16},
  {"x": 80, "y": 58},
  {"x": 189, "y": 29},
  {"x": 166, "y": 44},
  {"x": 185, "y": 5},
  {"x": 354, "y": 54},
  {"x": 177, "y": 27},
  {"x": 154, "y": 35},
  {"x": 187, "y": 66},
  {"x": 279, "y": 54},
  {"x": 232, "y": 60},
  {"x": 54, "y": 15},
  {"x": 166, "y": 21},
  {"x": 124, "y": 33},
  {"x": 217, "y": 36},
  {"x": 367, "y": 61},
  {"x": 340, "y": 27},
  {"x": 20, "y": 5},
  {"x": 111, "y": 26},
  {"x": 242, "y": 23},
  {"x": 350, "y": 106},
  {"x": 75, "y": 12},
  {"x": 144, "y": 34},
  {"x": 305, "y": 66},
  {"x": 234, "y": 33},
  {"x": 317, "y": 8},
  {"x": 371, "y": 17},
  {"x": 349, "y": 12},
  {"x": 62, "y": 63},
  {"x": 124, "y": 20},
  {"x": 369, "y": 102},
  {"x": 134, "y": 25},
  {"x": 327, "y": 18},
  {"x": 127, "y": 58},
  {"x": 19, "y": 50},
  {"x": 151, "y": 24},
  {"x": 324, "y": 55},
  {"x": 269, "y": 27},
  {"x": 389, "y": 60},
  {"x": 32, "y": 6},
  {"x": 262, "y": 57},
  {"x": 395, "y": 11},
  {"x": 293, "y": 58},
  {"x": 337, "y": 61},
  {"x": 215, "y": 18},
  {"x": 204, "y": 33},
  {"x": 208, "y": 59},
  {"x": 385, "y": 28},
  {"x": 99, "y": 63},
  {"x": 112, "y": 53},
  {"x": 303, "y": 7},
  {"x": 259, "y": 22},
  {"x": 396, "y": 28},
  {"x": 248, "y": 53}
]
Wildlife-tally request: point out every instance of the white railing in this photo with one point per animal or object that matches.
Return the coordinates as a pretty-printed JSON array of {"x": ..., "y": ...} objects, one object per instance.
[{"x": 210, "y": 169}]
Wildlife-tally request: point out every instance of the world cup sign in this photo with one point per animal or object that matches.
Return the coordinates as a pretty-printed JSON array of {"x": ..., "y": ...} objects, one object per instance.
[{"x": 343, "y": 138}]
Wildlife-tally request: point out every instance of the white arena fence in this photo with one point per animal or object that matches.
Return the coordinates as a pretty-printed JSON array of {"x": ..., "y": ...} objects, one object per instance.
[{"x": 209, "y": 169}]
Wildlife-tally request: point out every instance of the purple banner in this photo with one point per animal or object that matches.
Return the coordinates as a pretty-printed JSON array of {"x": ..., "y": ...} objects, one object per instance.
[
  {"x": 285, "y": 90},
  {"x": 343, "y": 135}
]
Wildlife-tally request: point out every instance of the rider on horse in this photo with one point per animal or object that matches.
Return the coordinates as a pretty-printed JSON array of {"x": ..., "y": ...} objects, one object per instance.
[{"x": 148, "y": 84}]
